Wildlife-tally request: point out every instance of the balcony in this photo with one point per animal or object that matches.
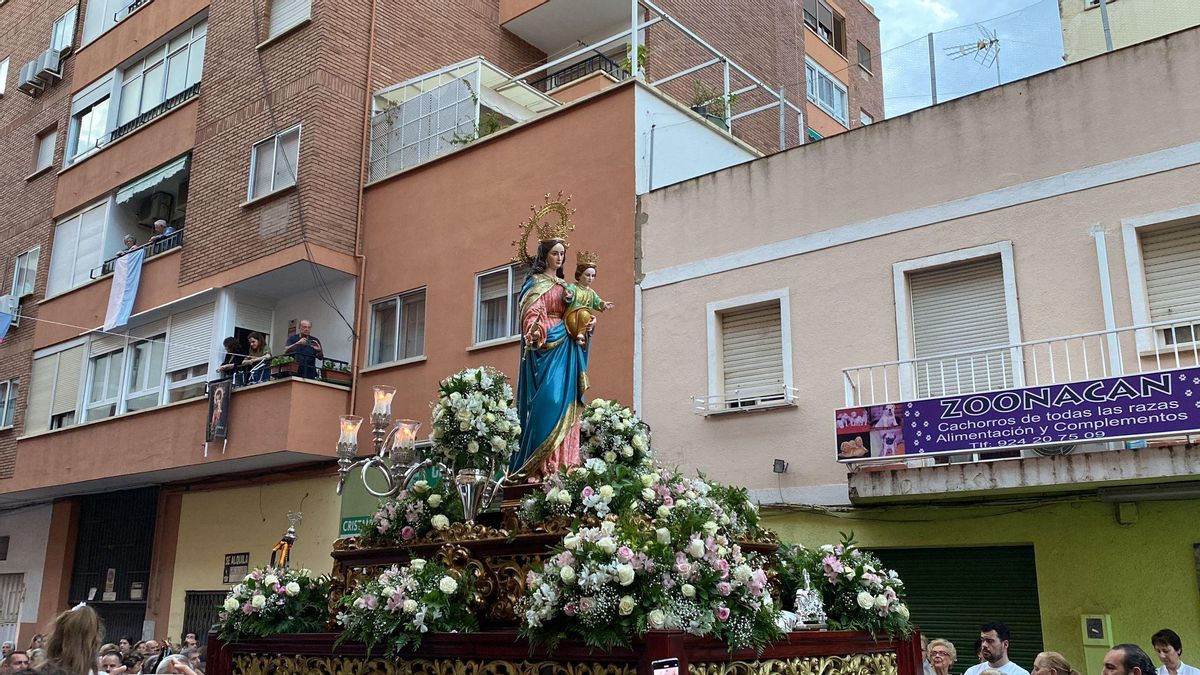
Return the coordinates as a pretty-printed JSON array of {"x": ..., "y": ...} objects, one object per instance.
[
  {"x": 152, "y": 248},
  {"x": 555, "y": 25},
  {"x": 1062, "y": 414},
  {"x": 598, "y": 63},
  {"x": 276, "y": 424}
]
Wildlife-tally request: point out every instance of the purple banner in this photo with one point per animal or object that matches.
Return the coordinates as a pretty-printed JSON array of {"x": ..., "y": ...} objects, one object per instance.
[{"x": 1115, "y": 408}]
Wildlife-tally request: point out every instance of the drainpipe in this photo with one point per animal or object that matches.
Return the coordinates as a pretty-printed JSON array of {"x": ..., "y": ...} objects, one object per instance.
[
  {"x": 1108, "y": 45},
  {"x": 364, "y": 154}
]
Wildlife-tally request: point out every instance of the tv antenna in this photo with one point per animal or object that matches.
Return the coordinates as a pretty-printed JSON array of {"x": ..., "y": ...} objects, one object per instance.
[{"x": 983, "y": 51}]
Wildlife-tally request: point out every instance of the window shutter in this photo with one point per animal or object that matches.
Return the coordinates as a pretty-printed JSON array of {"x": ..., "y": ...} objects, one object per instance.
[
  {"x": 103, "y": 343},
  {"x": 954, "y": 309},
  {"x": 41, "y": 388},
  {"x": 188, "y": 343},
  {"x": 66, "y": 386},
  {"x": 149, "y": 330},
  {"x": 752, "y": 352},
  {"x": 1171, "y": 257},
  {"x": 287, "y": 13},
  {"x": 254, "y": 318},
  {"x": 62, "y": 259},
  {"x": 90, "y": 253}
]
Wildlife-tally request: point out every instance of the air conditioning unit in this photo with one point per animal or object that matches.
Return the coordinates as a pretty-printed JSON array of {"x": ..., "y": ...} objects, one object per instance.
[
  {"x": 28, "y": 81},
  {"x": 11, "y": 304},
  {"x": 49, "y": 65}
]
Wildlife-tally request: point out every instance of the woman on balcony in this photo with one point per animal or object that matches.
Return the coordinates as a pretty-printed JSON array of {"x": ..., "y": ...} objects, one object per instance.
[{"x": 257, "y": 363}]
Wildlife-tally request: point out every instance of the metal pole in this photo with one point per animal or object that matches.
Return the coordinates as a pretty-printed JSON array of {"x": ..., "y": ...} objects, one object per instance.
[
  {"x": 933, "y": 70},
  {"x": 1108, "y": 45},
  {"x": 782, "y": 128},
  {"x": 636, "y": 66},
  {"x": 728, "y": 112}
]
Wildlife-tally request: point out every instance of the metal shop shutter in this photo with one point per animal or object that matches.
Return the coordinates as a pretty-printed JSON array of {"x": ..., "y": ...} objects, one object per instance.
[
  {"x": 954, "y": 309},
  {"x": 752, "y": 351},
  {"x": 1171, "y": 256},
  {"x": 946, "y": 599}
]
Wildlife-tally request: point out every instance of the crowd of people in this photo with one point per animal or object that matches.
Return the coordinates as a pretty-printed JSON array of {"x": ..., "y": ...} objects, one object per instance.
[
  {"x": 73, "y": 648},
  {"x": 991, "y": 653}
]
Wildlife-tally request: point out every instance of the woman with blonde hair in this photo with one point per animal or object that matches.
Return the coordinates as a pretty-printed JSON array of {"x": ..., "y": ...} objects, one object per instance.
[
  {"x": 942, "y": 655},
  {"x": 1052, "y": 663},
  {"x": 73, "y": 644}
]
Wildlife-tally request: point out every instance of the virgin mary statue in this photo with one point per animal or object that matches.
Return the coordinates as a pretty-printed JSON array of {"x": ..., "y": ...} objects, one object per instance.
[{"x": 551, "y": 383}]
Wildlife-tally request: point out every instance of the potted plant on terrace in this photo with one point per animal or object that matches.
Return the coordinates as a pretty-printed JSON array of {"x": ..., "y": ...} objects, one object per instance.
[
  {"x": 284, "y": 366},
  {"x": 336, "y": 372},
  {"x": 710, "y": 103}
]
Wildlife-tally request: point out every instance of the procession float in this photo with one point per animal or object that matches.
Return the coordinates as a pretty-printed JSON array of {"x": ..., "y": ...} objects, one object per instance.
[{"x": 536, "y": 533}]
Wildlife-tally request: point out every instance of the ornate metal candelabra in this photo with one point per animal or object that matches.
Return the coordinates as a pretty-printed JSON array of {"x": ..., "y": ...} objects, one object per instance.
[{"x": 395, "y": 455}]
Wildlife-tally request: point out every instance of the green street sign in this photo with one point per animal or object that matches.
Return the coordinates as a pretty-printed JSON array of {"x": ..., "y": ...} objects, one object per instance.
[{"x": 350, "y": 526}]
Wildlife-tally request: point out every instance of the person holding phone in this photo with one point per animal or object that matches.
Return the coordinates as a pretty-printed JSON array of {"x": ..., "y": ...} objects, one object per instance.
[{"x": 306, "y": 349}]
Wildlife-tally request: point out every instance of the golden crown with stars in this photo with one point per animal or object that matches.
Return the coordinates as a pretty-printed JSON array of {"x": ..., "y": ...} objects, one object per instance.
[
  {"x": 587, "y": 259},
  {"x": 546, "y": 230}
]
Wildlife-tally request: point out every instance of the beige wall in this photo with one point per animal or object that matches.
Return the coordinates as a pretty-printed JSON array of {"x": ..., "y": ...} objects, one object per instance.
[
  {"x": 234, "y": 520},
  {"x": 1130, "y": 22},
  {"x": 842, "y": 302}
]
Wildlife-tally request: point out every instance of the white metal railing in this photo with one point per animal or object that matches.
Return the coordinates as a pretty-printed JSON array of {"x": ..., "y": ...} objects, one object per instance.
[
  {"x": 746, "y": 399},
  {"x": 1085, "y": 356}
]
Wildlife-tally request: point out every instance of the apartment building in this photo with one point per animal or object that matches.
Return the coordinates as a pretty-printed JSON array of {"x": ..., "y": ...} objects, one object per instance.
[
  {"x": 251, "y": 129},
  {"x": 897, "y": 356},
  {"x": 1087, "y": 31}
]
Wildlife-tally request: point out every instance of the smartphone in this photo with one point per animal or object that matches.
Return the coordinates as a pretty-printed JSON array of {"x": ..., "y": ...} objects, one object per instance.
[{"x": 665, "y": 667}]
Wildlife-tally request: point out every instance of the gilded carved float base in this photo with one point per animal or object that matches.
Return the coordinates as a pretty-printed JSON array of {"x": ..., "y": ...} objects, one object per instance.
[
  {"x": 854, "y": 664},
  {"x": 254, "y": 664}
]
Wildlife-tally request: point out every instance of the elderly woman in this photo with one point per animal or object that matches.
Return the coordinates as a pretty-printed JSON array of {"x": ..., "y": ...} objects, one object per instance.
[
  {"x": 1169, "y": 647},
  {"x": 942, "y": 655}
]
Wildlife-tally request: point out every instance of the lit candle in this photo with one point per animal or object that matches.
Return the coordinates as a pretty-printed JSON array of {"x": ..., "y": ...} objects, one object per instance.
[
  {"x": 383, "y": 400},
  {"x": 406, "y": 433},
  {"x": 349, "y": 425}
]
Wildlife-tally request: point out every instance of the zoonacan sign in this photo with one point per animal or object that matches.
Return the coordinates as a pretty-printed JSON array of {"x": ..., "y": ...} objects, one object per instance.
[{"x": 1116, "y": 408}]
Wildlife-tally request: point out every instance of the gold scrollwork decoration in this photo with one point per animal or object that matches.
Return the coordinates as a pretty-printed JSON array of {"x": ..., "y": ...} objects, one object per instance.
[
  {"x": 853, "y": 664},
  {"x": 273, "y": 664}
]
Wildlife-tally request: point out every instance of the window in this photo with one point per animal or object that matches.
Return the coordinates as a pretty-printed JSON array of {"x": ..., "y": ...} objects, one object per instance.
[
  {"x": 1171, "y": 259},
  {"x": 285, "y": 14},
  {"x": 8, "y": 403},
  {"x": 749, "y": 353},
  {"x": 865, "y": 119},
  {"x": 54, "y": 389},
  {"x": 398, "y": 328},
  {"x": 864, "y": 56},
  {"x": 955, "y": 308},
  {"x": 89, "y": 127},
  {"x": 25, "y": 272},
  {"x": 78, "y": 248},
  {"x": 188, "y": 352},
  {"x": 44, "y": 156},
  {"x": 496, "y": 304},
  {"x": 145, "y": 373},
  {"x": 3, "y": 75},
  {"x": 826, "y": 23},
  {"x": 167, "y": 71},
  {"x": 186, "y": 383},
  {"x": 826, "y": 91},
  {"x": 101, "y": 15},
  {"x": 104, "y": 388},
  {"x": 62, "y": 38},
  {"x": 274, "y": 163}
]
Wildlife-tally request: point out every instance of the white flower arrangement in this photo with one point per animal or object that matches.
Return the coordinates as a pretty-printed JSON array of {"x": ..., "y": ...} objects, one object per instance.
[
  {"x": 475, "y": 424},
  {"x": 274, "y": 600},
  {"x": 611, "y": 432}
]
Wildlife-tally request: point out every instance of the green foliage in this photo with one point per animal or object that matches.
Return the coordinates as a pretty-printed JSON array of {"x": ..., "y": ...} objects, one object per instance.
[
  {"x": 475, "y": 423},
  {"x": 271, "y": 600},
  {"x": 412, "y": 514}
]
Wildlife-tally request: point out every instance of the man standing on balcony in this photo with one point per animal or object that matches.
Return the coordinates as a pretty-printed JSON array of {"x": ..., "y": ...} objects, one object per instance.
[
  {"x": 994, "y": 638},
  {"x": 162, "y": 231},
  {"x": 306, "y": 349}
]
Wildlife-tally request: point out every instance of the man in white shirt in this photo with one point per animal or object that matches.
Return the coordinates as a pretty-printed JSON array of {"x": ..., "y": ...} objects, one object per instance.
[
  {"x": 994, "y": 638},
  {"x": 1127, "y": 659},
  {"x": 1169, "y": 647}
]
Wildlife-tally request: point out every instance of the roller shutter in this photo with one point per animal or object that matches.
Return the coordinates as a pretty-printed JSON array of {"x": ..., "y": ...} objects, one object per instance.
[
  {"x": 752, "y": 353},
  {"x": 960, "y": 308},
  {"x": 66, "y": 386},
  {"x": 41, "y": 392},
  {"x": 1171, "y": 256},
  {"x": 951, "y": 591},
  {"x": 189, "y": 341},
  {"x": 287, "y": 13},
  {"x": 254, "y": 318}
]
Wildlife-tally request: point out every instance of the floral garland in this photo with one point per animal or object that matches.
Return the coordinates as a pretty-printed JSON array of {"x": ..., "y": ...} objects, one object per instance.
[
  {"x": 612, "y": 432},
  {"x": 413, "y": 514},
  {"x": 607, "y": 584},
  {"x": 475, "y": 424},
  {"x": 271, "y": 600},
  {"x": 401, "y": 605}
]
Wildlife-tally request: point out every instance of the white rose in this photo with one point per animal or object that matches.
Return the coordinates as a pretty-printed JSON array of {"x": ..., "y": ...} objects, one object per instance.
[
  {"x": 270, "y": 580},
  {"x": 231, "y": 604},
  {"x": 647, "y": 479},
  {"x": 473, "y": 447},
  {"x": 827, "y": 548},
  {"x": 435, "y": 500},
  {"x": 499, "y": 443},
  {"x": 664, "y": 535},
  {"x": 416, "y": 564},
  {"x": 710, "y": 528},
  {"x": 688, "y": 590},
  {"x": 742, "y": 573},
  {"x": 610, "y": 456},
  {"x": 639, "y": 442},
  {"x": 292, "y": 588},
  {"x": 626, "y": 451},
  {"x": 664, "y": 511},
  {"x": 564, "y": 497},
  {"x": 850, "y": 574},
  {"x": 567, "y": 574},
  {"x": 571, "y": 541},
  {"x": 420, "y": 486},
  {"x": 696, "y": 548},
  {"x": 607, "y": 545},
  {"x": 902, "y": 610},
  {"x": 440, "y": 522},
  {"x": 463, "y": 426},
  {"x": 658, "y": 618},
  {"x": 606, "y": 491},
  {"x": 625, "y": 574},
  {"x": 410, "y": 606},
  {"x": 690, "y": 494},
  {"x": 258, "y": 601},
  {"x": 880, "y": 602},
  {"x": 608, "y": 527},
  {"x": 448, "y": 585},
  {"x": 680, "y": 503},
  {"x": 626, "y": 605},
  {"x": 648, "y": 494},
  {"x": 865, "y": 600}
]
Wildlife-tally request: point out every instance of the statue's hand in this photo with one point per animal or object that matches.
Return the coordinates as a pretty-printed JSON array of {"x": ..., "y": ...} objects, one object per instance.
[
  {"x": 534, "y": 337},
  {"x": 608, "y": 306}
]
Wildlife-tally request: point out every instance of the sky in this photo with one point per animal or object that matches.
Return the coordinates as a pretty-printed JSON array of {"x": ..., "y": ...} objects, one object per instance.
[{"x": 1029, "y": 36}]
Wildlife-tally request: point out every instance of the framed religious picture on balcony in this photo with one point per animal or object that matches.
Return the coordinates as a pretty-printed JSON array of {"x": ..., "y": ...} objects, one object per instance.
[{"x": 218, "y": 411}]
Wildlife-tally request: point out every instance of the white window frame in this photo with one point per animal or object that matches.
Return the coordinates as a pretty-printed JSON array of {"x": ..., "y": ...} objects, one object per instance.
[
  {"x": 77, "y": 413},
  {"x": 716, "y": 366},
  {"x": 108, "y": 10},
  {"x": 117, "y": 401},
  {"x": 56, "y": 252},
  {"x": 8, "y": 415},
  {"x": 512, "y": 308},
  {"x": 49, "y": 135},
  {"x": 26, "y": 263},
  {"x": 399, "y": 298},
  {"x": 159, "y": 55},
  {"x": 3, "y": 75},
  {"x": 156, "y": 381},
  {"x": 169, "y": 386},
  {"x": 813, "y": 91},
  {"x": 1148, "y": 340},
  {"x": 250, "y": 196},
  {"x": 904, "y": 327},
  {"x": 62, "y": 35},
  {"x": 81, "y": 102}
]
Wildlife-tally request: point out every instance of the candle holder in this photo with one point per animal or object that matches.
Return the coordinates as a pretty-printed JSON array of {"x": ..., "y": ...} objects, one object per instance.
[{"x": 395, "y": 456}]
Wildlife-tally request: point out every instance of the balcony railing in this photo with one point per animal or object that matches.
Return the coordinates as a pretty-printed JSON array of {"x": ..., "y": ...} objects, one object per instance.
[
  {"x": 155, "y": 112},
  {"x": 747, "y": 399},
  {"x": 597, "y": 63},
  {"x": 331, "y": 371},
  {"x": 152, "y": 248}
]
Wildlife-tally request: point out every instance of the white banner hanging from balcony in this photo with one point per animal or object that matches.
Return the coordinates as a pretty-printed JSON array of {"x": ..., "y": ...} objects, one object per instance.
[{"x": 127, "y": 274}]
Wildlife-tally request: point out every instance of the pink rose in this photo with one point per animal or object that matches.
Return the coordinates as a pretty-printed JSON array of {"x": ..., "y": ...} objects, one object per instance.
[
  {"x": 668, "y": 501},
  {"x": 624, "y": 554},
  {"x": 565, "y": 559},
  {"x": 407, "y": 533},
  {"x": 247, "y": 608},
  {"x": 588, "y": 491},
  {"x": 724, "y": 588},
  {"x": 569, "y": 609},
  {"x": 723, "y": 614}
]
